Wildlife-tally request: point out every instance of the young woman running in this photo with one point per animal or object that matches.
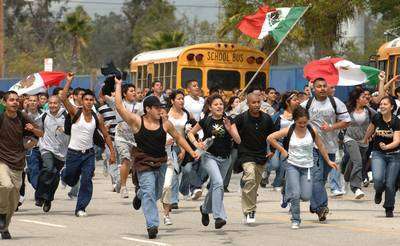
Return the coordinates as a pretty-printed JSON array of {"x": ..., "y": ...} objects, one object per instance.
[
  {"x": 385, "y": 153},
  {"x": 216, "y": 160},
  {"x": 299, "y": 143}
]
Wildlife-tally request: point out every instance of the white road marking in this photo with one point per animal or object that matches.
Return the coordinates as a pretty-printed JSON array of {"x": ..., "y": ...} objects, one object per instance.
[
  {"x": 43, "y": 223},
  {"x": 144, "y": 241}
]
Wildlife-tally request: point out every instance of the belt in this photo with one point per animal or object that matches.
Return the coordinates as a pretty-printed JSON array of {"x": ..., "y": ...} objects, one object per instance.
[{"x": 85, "y": 151}]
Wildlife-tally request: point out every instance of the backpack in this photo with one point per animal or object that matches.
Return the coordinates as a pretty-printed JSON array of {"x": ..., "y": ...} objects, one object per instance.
[
  {"x": 97, "y": 137},
  {"x": 331, "y": 99},
  {"x": 21, "y": 119},
  {"x": 286, "y": 140},
  {"x": 45, "y": 114}
]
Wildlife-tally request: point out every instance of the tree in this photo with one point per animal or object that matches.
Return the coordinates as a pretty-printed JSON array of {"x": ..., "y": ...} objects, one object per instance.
[
  {"x": 197, "y": 31},
  {"x": 147, "y": 17},
  {"x": 78, "y": 26},
  {"x": 164, "y": 40}
]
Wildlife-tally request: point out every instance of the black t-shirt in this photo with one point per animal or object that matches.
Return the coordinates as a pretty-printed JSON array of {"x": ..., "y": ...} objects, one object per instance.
[
  {"x": 384, "y": 132},
  {"x": 253, "y": 133},
  {"x": 222, "y": 144}
]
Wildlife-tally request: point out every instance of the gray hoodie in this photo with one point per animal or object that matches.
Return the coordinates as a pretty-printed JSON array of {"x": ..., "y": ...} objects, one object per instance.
[{"x": 54, "y": 139}]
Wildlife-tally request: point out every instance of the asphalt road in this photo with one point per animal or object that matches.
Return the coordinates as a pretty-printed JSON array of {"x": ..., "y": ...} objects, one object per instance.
[{"x": 112, "y": 221}]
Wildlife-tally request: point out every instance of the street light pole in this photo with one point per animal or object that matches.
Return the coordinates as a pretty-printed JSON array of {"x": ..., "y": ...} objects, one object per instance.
[{"x": 1, "y": 39}]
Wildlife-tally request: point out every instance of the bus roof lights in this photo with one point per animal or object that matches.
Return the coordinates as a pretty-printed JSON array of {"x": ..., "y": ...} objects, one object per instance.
[
  {"x": 199, "y": 57},
  {"x": 190, "y": 57},
  {"x": 226, "y": 46},
  {"x": 259, "y": 60},
  {"x": 251, "y": 59}
]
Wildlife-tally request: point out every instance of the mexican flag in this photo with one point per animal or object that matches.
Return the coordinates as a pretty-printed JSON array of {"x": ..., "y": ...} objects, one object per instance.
[
  {"x": 270, "y": 21},
  {"x": 341, "y": 72},
  {"x": 38, "y": 82}
]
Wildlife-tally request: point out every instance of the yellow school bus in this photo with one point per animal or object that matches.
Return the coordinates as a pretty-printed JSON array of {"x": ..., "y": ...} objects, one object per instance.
[
  {"x": 388, "y": 58},
  {"x": 224, "y": 65}
]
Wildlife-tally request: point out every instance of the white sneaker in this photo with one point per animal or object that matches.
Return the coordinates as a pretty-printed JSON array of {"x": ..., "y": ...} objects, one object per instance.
[
  {"x": 337, "y": 193},
  {"x": 124, "y": 192},
  {"x": 167, "y": 220},
  {"x": 81, "y": 213},
  {"x": 251, "y": 218},
  {"x": 359, "y": 194},
  {"x": 277, "y": 189},
  {"x": 295, "y": 225},
  {"x": 196, "y": 194},
  {"x": 370, "y": 177}
]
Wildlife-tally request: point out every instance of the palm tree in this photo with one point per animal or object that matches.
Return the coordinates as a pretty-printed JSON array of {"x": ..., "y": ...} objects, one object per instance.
[
  {"x": 164, "y": 40},
  {"x": 78, "y": 26}
]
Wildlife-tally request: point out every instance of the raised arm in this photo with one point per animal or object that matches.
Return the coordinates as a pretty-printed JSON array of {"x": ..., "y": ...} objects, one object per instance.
[
  {"x": 64, "y": 98},
  {"x": 381, "y": 86},
  {"x": 132, "y": 119},
  {"x": 180, "y": 140},
  {"x": 392, "y": 81}
]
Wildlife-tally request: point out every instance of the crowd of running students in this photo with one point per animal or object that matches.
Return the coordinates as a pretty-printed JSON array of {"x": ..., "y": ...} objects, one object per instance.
[{"x": 176, "y": 142}]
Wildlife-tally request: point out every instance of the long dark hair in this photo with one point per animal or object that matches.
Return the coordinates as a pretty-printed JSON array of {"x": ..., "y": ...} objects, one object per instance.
[
  {"x": 353, "y": 97},
  {"x": 173, "y": 95},
  {"x": 230, "y": 102},
  {"x": 285, "y": 98}
]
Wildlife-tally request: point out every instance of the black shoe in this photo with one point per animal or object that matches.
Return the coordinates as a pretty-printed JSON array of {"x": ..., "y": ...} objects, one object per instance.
[
  {"x": 2, "y": 221},
  {"x": 322, "y": 213},
  {"x": 5, "y": 235},
  {"x": 174, "y": 206},
  {"x": 264, "y": 182},
  {"x": 205, "y": 219},
  {"x": 378, "y": 198},
  {"x": 137, "y": 203},
  {"x": 389, "y": 213},
  {"x": 152, "y": 232},
  {"x": 219, "y": 223},
  {"x": 46, "y": 206},
  {"x": 39, "y": 202},
  {"x": 226, "y": 190}
]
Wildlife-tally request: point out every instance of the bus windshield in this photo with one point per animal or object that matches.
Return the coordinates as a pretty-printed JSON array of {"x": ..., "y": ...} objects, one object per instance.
[
  {"x": 189, "y": 74},
  {"x": 224, "y": 79}
]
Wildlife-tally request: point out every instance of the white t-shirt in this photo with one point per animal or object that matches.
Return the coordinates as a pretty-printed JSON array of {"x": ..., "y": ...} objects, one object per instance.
[
  {"x": 322, "y": 112},
  {"x": 195, "y": 107}
]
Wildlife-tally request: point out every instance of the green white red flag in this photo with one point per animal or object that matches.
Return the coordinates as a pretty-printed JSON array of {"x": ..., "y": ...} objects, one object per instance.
[{"x": 276, "y": 22}]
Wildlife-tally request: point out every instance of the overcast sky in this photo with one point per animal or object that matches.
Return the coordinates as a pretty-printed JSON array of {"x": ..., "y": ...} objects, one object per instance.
[{"x": 191, "y": 8}]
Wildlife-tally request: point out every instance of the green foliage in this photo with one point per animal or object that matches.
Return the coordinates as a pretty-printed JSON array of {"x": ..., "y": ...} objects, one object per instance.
[{"x": 164, "y": 40}]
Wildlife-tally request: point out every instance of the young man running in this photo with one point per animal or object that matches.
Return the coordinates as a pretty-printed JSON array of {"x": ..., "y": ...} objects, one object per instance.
[
  {"x": 150, "y": 133},
  {"x": 80, "y": 160}
]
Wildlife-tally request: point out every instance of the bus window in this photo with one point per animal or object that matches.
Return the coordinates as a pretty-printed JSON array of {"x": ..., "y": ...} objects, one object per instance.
[
  {"x": 226, "y": 80},
  {"x": 134, "y": 78},
  {"x": 145, "y": 82},
  {"x": 168, "y": 74},
  {"x": 189, "y": 74},
  {"x": 259, "y": 81},
  {"x": 139, "y": 78},
  {"x": 382, "y": 65},
  {"x": 174, "y": 68},
  {"x": 398, "y": 66},
  {"x": 161, "y": 77},
  {"x": 156, "y": 71},
  {"x": 391, "y": 67}
]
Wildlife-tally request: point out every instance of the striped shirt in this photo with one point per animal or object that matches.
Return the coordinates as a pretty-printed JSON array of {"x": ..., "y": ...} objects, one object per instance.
[{"x": 109, "y": 119}]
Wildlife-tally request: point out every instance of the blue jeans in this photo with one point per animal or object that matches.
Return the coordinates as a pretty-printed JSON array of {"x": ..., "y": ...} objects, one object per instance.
[
  {"x": 49, "y": 177},
  {"x": 334, "y": 180},
  {"x": 80, "y": 165},
  {"x": 298, "y": 186},
  {"x": 112, "y": 169},
  {"x": 151, "y": 186},
  {"x": 34, "y": 163},
  {"x": 385, "y": 170},
  {"x": 277, "y": 163},
  {"x": 320, "y": 172},
  {"x": 193, "y": 177},
  {"x": 234, "y": 156},
  {"x": 175, "y": 179},
  {"x": 216, "y": 168}
]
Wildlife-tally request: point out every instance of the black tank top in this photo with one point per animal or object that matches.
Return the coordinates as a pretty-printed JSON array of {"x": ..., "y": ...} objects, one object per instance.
[{"x": 151, "y": 142}]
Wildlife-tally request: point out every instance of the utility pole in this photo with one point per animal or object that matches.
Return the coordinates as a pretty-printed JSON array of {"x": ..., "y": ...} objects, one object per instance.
[{"x": 1, "y": 39}]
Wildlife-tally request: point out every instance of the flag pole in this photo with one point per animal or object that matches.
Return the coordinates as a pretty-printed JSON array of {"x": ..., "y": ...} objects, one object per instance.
[{"x": 272, "y": 52}]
